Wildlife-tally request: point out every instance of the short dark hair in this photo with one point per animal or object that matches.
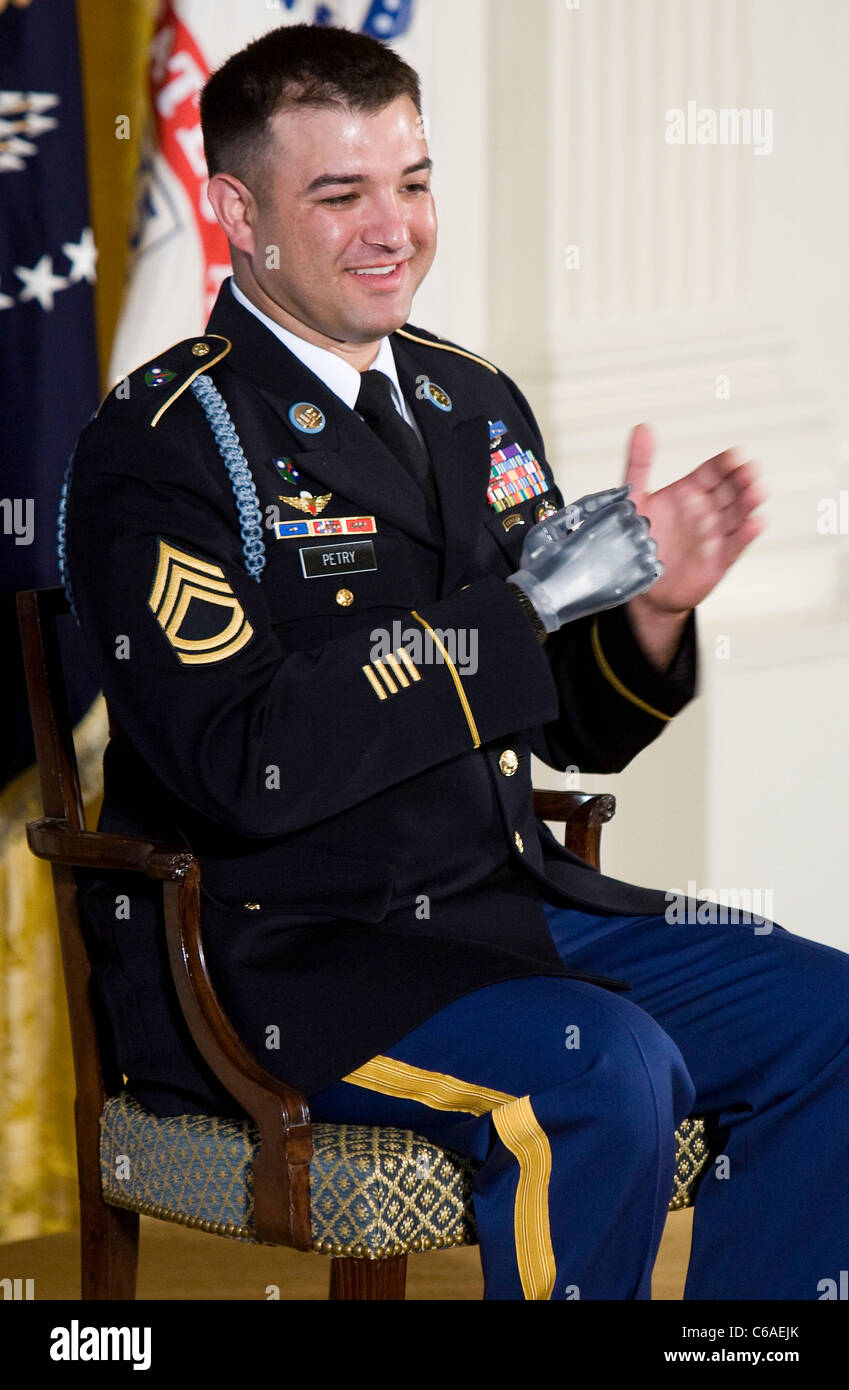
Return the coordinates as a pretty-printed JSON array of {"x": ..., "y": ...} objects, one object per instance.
[{"x": 295, "y": 65}]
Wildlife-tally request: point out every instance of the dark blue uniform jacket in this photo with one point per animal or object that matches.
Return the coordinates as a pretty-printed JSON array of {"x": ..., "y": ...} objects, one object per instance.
[{"x": 362, "y": 815}]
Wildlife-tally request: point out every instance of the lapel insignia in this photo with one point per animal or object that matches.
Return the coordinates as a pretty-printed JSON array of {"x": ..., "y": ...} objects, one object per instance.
[
  {"x": 307, "y": 417},
  {"x": 158, "y": 376},
  {"x": 287, "y": 471},
  {"x": 497, "y": 431},
  {"x": 197, "y": 610},
  {"x": 306, "y": 502},
  {"x": 437, "y": 396},
  {"x": 514, "y": 476},
  {"x": 326, "y": 526}
]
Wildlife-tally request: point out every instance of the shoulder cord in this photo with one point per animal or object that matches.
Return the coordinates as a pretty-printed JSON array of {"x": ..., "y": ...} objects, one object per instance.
[
  {"x": 244, "y": 489},
  {"x": 64, "y": 577}
]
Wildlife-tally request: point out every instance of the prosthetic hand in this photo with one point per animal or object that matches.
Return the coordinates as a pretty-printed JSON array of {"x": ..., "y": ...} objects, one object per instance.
[{"x": 594, "y": 554}]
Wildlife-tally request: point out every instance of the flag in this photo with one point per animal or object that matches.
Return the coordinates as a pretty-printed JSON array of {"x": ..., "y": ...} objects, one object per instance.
[
  {"x": 179, "y": 255},
  {"x": 48, "y": 359}
]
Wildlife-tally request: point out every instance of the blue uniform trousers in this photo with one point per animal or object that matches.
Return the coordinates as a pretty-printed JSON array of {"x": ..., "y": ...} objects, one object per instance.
[{"x": 569, "y": 1095}]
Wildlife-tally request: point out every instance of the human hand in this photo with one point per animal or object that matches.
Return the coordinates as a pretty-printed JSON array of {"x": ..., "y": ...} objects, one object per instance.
[{"x": 701, "y": 523}]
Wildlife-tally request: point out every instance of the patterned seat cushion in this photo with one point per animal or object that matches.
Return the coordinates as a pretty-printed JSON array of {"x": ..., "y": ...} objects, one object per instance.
[{"x": 373, "y": 1192}]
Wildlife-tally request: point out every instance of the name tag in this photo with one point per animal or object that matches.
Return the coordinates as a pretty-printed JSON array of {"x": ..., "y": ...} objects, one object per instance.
[{"x": 341, "y": 558}]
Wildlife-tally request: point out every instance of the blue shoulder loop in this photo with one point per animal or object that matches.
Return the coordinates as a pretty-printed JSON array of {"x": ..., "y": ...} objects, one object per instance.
[{"x": 244, "y": 489}]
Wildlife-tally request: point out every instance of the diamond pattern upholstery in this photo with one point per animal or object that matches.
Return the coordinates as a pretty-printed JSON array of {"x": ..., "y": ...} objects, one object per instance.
[{"x": 374, "y": 1192}]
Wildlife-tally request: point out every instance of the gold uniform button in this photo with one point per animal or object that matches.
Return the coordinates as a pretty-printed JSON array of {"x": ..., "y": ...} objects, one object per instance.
[
  {"x": 201, "y": 350},
  {"x": 520, "y": 844},
  {"x": 508, "y": 762},
  {"x": 253, "y": 907},
  {"x": 344, "y": 597}
]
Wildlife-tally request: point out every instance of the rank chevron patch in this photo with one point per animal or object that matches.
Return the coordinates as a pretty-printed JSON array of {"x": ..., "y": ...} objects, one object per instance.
[{"x": 187, "y": 598}]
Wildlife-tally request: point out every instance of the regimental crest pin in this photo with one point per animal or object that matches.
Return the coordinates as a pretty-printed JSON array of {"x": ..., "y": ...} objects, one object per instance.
[
  {"x": 287, "y": 470},
  {"x": 158, "y": 376},
  {"x": 307, "y": 417},
  {"x": 437, "y": 396},
  {"x": 546, "y": 508}
]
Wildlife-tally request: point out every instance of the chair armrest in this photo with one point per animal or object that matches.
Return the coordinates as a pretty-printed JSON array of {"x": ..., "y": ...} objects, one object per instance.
[
  {"x": 584, "y": 813},
  {"x": 281, "y": 1165},
  {"x": 95, "y": 849}
]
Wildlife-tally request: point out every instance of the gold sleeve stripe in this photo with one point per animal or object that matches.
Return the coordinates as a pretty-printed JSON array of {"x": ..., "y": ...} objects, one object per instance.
[
  {"x": 520, "y": 1132},
  {"x": 433, "y": 1088},
  {"x": 393, "y": 661},
  {"x": 204, "y": 367},
  {"x": 473, "y": 728},
  {"x": 374, "y": 683},
  {"x": 179, "y": 579},
  {"x": 385, "y": 676},
  {"x": 446, "y": 347},
  {"x": 220, "y": 653},
  {"x": 616, "y": 682},
  {"x": 409, "y": 663},
  {"x": 193, "y": 565}
]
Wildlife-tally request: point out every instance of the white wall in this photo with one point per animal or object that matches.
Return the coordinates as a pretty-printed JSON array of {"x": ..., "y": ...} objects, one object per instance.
[{"x": 697, "y": 262}]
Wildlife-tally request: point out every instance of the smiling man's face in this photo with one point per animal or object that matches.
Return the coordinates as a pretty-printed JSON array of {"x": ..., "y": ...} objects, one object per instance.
[{"x": 344, "y": 193}]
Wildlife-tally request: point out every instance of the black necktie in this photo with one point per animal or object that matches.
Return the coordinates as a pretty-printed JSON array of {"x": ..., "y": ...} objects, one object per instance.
[{"x": 374, "y": 403}]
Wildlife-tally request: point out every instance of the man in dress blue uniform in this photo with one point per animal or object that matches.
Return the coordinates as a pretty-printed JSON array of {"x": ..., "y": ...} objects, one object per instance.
[{"x": 289, "y": 545}]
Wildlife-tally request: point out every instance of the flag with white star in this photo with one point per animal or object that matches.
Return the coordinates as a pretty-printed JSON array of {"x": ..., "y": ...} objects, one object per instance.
[{"x": 48, "y": 361}]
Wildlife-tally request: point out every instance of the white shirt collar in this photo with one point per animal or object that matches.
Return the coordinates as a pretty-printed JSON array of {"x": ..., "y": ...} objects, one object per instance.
[{"x": 339, "y": 376}]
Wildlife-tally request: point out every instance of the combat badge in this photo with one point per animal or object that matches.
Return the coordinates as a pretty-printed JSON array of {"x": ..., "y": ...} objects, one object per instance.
[
  {"x": 306, "y": 502},
  {"x": 197, "y": 610}
]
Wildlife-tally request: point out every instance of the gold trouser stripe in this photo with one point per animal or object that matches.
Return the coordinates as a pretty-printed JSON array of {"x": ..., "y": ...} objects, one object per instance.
[
  {"x": 446, "y": 347},
  {"x": 409, "y": 663},
  {"x": 470, "y": 720},
  {"x": 616, "y": 682},
  {"x": 520, "y": 1132},
  {"x": 433, "y": 1088},
  {"x": 385, "y": 676},
  {"x": 375, "y": 683},
  {"x": 394, "y": 663}
]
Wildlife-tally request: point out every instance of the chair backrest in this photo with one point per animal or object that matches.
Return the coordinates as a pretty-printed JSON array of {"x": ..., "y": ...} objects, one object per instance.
[{"x": 39, "y": 612}]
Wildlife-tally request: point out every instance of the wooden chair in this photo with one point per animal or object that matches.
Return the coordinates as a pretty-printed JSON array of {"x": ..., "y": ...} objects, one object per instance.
[{"x": 410, "y": 1195}]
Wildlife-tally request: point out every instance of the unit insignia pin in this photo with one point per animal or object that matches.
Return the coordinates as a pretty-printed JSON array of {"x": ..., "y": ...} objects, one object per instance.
[
  {"x": 497, "y": 431},
  {"x": 546, "y": 508},
  {"x": 307, "y": 417}
]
